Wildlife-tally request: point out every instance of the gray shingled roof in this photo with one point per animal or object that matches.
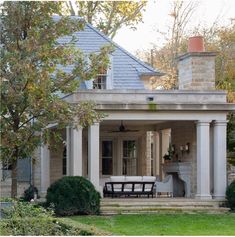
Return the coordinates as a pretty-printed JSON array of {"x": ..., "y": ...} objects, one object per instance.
[{"x": 126, "y": 68}]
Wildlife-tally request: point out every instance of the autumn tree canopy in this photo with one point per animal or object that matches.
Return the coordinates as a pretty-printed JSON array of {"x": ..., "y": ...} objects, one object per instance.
[
  {"x": 109, "y": 16},
  {"x": 31, "y": 81}
]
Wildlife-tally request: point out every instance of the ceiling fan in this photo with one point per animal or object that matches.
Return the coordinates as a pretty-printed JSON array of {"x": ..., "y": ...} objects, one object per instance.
[{"x": 123, "y": 129}]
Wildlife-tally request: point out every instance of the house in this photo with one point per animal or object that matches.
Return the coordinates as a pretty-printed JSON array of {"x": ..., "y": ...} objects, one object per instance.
[{"x": 142, "y": 125}]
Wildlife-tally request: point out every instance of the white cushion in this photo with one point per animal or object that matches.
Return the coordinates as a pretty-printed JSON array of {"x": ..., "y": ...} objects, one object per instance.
[
  {"x": 127, "y": 189},
  {"x": 138, "y": 190},
  {"x": 117, "y": 178},
  {"x": 147, "y": 187},
  {"x": 133, "y": 178},
  {"x": 109, "y": 187},
  {"x": 117, "y": 187},
  {"x": 149, "y": 178}
]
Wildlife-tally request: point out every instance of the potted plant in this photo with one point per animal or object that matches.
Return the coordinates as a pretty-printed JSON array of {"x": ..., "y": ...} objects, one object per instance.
[{"x": 170, "y": 153}]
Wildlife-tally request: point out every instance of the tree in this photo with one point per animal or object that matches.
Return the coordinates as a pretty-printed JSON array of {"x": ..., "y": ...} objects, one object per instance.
[
  {"x": 175, "y": 43},
  {"x": 31, "y": 80},
  {"x": 109, "y": 16}
]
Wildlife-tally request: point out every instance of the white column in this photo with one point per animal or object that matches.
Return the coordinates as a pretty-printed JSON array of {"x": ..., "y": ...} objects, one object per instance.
[
  {"x": 220, "y": 176},
  {"x": 156, "y": 154},
  {"x": 45, "y": 168},
  {"x": 203, "y": 160},
  {"x": 93, "y": 155},
  {"x": 76, "y": 152},
  {"x": 165, "y": 142}
]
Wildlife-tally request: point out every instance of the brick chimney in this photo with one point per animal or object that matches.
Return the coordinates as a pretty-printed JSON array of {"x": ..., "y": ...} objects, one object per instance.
[{"x": 196, "y": 67}]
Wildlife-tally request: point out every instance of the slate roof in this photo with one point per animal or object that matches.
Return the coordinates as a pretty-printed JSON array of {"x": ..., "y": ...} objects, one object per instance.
[{"x": 126, "y": 68}]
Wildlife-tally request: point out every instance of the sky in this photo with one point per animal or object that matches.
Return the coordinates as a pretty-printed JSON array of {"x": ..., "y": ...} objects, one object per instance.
[{"x": 156, "y": 17}]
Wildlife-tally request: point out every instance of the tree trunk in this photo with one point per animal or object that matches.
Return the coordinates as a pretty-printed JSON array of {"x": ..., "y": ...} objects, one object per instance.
[{"x": 14, "y": 179}]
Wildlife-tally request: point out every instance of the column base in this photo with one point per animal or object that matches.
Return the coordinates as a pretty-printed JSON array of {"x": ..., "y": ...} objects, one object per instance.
[
  {"x": 219, "y": 197},
  {"x": 203, "y": 196}
]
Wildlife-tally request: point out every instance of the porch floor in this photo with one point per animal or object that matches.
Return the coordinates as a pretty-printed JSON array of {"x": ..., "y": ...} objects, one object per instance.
[{"x": 113, "y": 206}]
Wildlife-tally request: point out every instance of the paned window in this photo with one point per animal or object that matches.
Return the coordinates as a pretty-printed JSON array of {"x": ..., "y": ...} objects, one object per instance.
[
  {"x": 107, "y": 157},
  {"x": 100, "y": 82},
  {"x": 129, "y": 157}
]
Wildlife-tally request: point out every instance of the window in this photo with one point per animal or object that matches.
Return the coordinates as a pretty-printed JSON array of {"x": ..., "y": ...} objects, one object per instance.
[
  {"x": 107, "y": 157},
  {"x": 100, "y": 82},
  {"x": 129, "y": 157}
]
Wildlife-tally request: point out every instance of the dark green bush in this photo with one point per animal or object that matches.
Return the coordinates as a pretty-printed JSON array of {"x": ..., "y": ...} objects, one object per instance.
[
  {"x": 30, "y": 193},
  {"x": 230, "y": 195},
  {"x": 28, "y": 219},
  {"x": 73, "y": 195}
]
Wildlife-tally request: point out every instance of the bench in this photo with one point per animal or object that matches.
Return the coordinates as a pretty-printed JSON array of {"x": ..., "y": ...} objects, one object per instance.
[{"x": 129, "y": 186}]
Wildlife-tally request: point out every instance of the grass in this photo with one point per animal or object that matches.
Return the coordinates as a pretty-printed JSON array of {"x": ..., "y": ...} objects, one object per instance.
[{"x": 163, "y": 224}]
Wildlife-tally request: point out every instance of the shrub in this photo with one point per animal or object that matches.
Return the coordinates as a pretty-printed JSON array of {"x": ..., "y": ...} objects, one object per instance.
[
  {"x": 73, "y": 195},
  {"x": 230, "y": 195},
  {"x": 30, "y": 193},
  {"x": 29, "y": 219}
]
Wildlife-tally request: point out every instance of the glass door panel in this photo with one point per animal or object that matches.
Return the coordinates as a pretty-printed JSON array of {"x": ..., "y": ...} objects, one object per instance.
[
  {"x": 129, "y": 157},
  {"x": 107, "y": 157}
]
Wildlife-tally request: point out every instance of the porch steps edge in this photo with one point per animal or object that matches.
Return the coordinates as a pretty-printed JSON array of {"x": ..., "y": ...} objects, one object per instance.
[
  {"x": 115, "y": 211},
  {"x": 132, "y": 206}
]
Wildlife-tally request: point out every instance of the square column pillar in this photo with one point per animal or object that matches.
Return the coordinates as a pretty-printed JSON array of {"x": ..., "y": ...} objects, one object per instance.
[
  {"x": 45, "y": 168},
  {"x": 203, "y": 160},
  {"x": 93, "y": 155},
  {"x": 220, "y": 176},
  {"x": 75, "y": 151}
]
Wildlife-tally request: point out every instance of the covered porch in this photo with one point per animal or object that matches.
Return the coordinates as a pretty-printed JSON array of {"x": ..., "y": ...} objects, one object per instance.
[{"x": 196, "y": 131}]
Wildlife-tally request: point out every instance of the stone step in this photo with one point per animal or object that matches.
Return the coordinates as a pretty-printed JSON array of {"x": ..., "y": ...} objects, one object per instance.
[
  {"x": 166, "y": 205},
  {"x": 172, "y": 204},
  {"x": 142, "y": 210}
]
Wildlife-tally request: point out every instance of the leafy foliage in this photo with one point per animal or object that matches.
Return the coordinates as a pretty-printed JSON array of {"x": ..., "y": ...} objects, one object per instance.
[
  {"x": 29, "y": 219},
  {"x": 73, "y": 195},
  {"x": 230, "y": 195},
  {"x": 32, "y": 82},
  {"x": 30, "y": 193},
  {"x": 231, "y": 138},
  {"x": 109, "y": 16}
]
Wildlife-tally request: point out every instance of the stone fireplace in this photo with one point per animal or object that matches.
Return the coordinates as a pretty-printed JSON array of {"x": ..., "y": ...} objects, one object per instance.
[{"x": 184, "y": 171}]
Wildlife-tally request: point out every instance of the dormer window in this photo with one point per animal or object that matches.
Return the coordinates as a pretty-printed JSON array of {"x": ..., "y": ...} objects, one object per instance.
[{"x": 100, "y": 82}]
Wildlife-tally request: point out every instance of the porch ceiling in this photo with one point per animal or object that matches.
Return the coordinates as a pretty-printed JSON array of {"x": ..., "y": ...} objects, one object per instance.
[{"x": 129, "y": 122}]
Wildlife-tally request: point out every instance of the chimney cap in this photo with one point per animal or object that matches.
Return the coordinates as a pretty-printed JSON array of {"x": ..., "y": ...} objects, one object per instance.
[{"x": 196, "y": 44}]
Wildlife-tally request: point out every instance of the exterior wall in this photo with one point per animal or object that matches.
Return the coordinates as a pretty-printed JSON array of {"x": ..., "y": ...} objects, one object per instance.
[
  {"x": 197, "y": 71},
  {"x": 56, "y": 156},
  {"x": 231, "y": 174},
  {"x": 5, "y": 187},
  {"x": 37, "y": 168}
]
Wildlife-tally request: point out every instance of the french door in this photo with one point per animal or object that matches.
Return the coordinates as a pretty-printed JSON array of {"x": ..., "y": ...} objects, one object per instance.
[
  {"x": 129, "y": 159},
  {"x": 107, "y": 157}
]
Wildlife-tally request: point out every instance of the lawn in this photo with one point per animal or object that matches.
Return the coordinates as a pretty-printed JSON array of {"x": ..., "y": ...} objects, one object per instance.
[{"x": 163, "y": 224}]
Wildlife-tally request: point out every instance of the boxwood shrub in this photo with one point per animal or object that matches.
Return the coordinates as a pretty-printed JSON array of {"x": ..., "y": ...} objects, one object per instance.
[
  {"x": 30, "y": 193},
  {"x": 73, "y": 195},
  {"x": 230, "y": 195}
]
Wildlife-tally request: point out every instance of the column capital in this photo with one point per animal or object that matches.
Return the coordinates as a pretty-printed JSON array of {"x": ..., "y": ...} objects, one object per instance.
[
  {"x": 95, "y": 124},
  {"x": 220, "y": 122},
  {"x": 203, "y": 122}
]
